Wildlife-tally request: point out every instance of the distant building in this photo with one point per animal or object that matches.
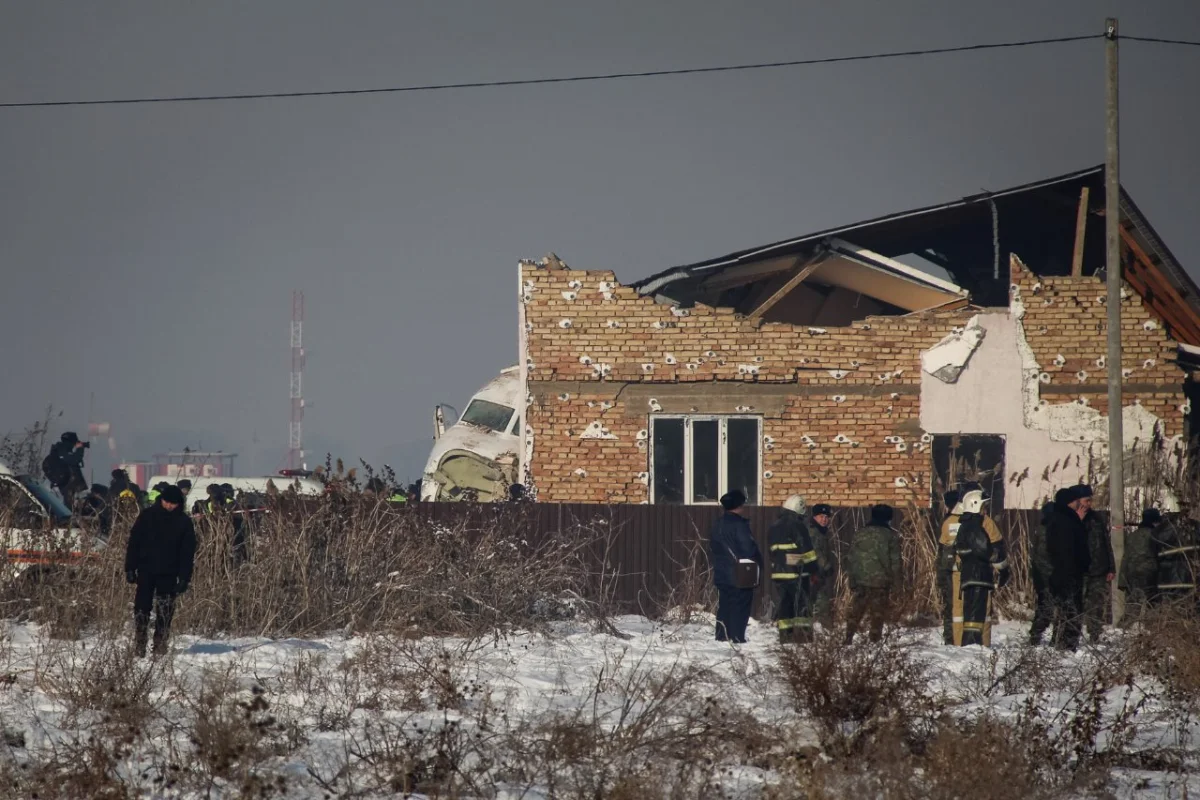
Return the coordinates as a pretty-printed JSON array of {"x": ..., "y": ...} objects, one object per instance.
[
  {"x": 194, "y": 464},
  {"x": 880, "y": 361}
]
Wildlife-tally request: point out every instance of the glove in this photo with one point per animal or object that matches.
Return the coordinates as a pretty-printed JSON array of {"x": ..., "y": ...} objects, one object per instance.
[
  {"x": 1003, "y": 578},
  {"x": 181, "y": 586},
  {"x": 131, "y": 576}
]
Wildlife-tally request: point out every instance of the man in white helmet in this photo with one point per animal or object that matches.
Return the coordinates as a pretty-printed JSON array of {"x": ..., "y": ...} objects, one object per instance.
[
  {"x": 947, "y": 565},
  {"x": 981, "y": 555},
  {"x": 793, "y": 560}
]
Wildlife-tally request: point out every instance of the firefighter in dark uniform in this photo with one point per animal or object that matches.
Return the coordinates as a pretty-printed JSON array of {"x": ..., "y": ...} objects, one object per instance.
[
  {"x": 793, "y": 561},
  {"x": 824, "y": 572},
  {"x": 1102, "y": 565},
  {"x": 946, "y": 562},
  {"x": 982, "y": 567},
  {"x": 1139, "y": 567},
  {"x": 1040, "y": 570},
  {"x": 1178, "y": 554}
]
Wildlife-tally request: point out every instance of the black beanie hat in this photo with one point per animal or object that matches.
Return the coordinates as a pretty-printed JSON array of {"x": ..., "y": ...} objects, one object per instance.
[
  {"x": 733, "y": 500},
  {"x": 881, "y": 513},
  {"x": 172, "y": 494},
  {"x": 1151, "y": 516},
  {"x": 1082, "y": 490},
  {"x": 70, "y": 437}
]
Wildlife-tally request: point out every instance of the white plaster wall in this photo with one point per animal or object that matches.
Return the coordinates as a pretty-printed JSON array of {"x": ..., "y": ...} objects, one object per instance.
[{"x": 989, "y": 397}]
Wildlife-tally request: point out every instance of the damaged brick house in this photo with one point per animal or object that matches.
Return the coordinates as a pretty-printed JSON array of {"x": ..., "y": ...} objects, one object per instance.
[{"x": 874, "y": 362}]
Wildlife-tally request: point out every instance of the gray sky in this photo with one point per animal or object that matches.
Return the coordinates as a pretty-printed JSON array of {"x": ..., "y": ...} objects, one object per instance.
[{"x": 148, "y": 253}]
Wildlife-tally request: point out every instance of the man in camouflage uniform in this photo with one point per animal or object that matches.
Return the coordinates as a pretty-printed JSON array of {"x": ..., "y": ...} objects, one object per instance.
[
  {"x": 1040, "y": 570},
  {"x": 874, "y": 569},
  {"x": 1139, "y": 567},
  {"x": 792, "y": 562},
  {"x": 823, "y": 578},
  {"x": 1102, "y": 566}
]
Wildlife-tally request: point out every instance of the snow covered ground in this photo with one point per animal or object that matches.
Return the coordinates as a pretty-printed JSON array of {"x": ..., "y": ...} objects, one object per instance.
[{"x": 372, "y": 716}]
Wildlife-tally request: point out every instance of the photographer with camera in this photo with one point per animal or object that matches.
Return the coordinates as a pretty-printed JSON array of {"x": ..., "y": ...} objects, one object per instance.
[{"x": 63, "y": 466}]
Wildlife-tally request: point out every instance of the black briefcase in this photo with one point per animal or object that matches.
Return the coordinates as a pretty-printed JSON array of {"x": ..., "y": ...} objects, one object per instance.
[{"x": 746, "y": 573}]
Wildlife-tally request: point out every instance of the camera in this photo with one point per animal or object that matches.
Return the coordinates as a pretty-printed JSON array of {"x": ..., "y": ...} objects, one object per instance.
[{"x": 86, "y": 445}]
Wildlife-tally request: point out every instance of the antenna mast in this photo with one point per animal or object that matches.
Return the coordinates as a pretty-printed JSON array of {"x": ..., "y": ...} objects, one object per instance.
[{"x": 295, "y": 458}]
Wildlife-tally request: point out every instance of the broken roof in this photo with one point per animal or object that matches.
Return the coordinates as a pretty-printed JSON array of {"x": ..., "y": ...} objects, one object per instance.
[{"x": 969, "y": 238}]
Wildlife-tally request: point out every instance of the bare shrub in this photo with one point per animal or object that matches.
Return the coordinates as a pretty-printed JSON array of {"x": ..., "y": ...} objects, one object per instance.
[{"x": 853, "y": 692}]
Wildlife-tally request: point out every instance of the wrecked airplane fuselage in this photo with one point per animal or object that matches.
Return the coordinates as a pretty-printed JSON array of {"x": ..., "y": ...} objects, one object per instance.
[{"x": 476, "y": 458}]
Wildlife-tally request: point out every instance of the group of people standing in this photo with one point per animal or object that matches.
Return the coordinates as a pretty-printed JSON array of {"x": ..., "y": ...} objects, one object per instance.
[{"x": 1071, "y": 563}]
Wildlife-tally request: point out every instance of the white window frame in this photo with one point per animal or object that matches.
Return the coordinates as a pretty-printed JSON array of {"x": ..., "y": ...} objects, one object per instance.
[{"x": 722, "y": 455}]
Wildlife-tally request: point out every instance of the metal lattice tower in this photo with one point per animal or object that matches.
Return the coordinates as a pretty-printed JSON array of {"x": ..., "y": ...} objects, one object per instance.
[{"x": 295, "y": 458}]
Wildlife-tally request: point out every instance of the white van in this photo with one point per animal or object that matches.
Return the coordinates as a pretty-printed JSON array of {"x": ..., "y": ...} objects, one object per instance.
[
  {"x": 35, "y": 528},
  {"x": 477, "y": 458}
]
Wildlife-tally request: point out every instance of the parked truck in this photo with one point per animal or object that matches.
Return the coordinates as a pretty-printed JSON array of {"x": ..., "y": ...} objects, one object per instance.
[{"x": 477, "y": 458}]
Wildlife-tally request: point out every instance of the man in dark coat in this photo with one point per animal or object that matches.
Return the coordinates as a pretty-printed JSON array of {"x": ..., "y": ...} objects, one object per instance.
[
  {"x": 731, "y": 541},
  {"x": 1102, "y": 565},
  {"x": 159, "y": 559},
  {"x": 824, "y": 576},
  {"x": 793, "y": 562},
  {"x": 1139, "y": 567},
  {"x": 875, "y": 571},
  {"x": 1066, "y": 545},
  {"x": 95, "y": 506},
  {"x": 1040, "y": 570},
  {"x": 63, "y": 467}
]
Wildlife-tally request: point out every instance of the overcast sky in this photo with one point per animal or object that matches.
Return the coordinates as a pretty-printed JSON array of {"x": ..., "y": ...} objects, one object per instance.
[{"x": 148, "y": 253}]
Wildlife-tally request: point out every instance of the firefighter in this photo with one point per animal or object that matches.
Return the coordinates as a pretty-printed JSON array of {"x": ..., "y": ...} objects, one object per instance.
[
  {"x": 153, "y": 495},
  {"x": 1102, "y": 565},
  {"x": 1139, "y": 567},
  {"x": 793, "y": 560},
  {"x": 1040, "y": 570},
  {"x": 124, "y": 495},
  {"x": 822, "y": 577},
  {"x": 873, "y": 568},
  {"x": 997, "y": 556},
  {"x": 980, "y": 557},
  {"x": 1177, "y": 551},
  {"x": 946, "y": 562}
]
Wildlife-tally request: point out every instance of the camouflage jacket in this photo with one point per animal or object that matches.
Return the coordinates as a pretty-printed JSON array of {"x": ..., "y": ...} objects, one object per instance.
[{"x": 873, "y": 560}]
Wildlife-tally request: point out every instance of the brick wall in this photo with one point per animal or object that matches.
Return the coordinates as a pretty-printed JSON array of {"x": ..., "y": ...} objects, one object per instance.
[{"x": 600, "y": 355}]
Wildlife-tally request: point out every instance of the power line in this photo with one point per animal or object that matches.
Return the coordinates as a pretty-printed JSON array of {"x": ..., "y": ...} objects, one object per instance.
[
  {"x": 1160, "y": 41},
  {"x": 538, "y": 81}
]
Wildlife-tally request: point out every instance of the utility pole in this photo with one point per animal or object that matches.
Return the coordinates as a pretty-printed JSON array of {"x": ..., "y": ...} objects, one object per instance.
[{"x": 1112, "y": 236}]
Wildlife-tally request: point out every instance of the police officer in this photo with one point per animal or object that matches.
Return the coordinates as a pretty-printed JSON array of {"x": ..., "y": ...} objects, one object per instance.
[
  {"x": 793, "y": 560},
  {"x": 730, "y": 542}
]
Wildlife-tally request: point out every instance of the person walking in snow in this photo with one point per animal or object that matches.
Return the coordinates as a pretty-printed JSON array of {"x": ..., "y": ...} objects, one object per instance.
[
  {"x": 732, "y": 542},
  {"x": 159, "y": 560},
  {"x": 874, "y": 569}
]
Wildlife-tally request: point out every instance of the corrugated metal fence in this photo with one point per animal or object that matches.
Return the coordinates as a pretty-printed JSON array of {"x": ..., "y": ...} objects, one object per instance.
[{"x": 655, "y": 556}]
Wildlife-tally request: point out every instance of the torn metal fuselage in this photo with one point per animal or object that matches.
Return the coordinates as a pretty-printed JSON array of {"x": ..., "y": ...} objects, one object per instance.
[{"x": 476, "y": 459}]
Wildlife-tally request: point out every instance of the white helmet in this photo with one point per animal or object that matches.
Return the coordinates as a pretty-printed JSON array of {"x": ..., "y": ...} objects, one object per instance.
[
  {"x": 795, "y": 504},
  {"x": 972, "y": 502}
]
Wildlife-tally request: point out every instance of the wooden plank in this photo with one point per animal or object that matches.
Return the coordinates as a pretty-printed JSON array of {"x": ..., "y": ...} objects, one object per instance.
[
  {"x": 791, "y": 283},
  {"x": 1183, "y": 312},
  {"x": 1080, "y": 230},
  {"x": 1136, "y": 275}
]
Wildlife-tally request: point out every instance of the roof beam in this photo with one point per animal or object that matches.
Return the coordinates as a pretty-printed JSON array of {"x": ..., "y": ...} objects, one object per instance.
[
  {"x": 1080, "y": 230},
  {"x": 1173, "y": 308},
  {"x": 797, "y": 277}
]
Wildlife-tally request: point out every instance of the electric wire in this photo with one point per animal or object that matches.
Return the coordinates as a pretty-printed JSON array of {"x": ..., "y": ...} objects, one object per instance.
[{"x": 435, "y": 87}]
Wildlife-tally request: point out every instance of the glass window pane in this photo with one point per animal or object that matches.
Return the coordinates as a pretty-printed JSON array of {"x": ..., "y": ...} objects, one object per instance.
[
  {"x": 705, "y": 461},
  {"x": 742, "y": 457},
  {"x": 491, "y": 416},
  {"x": 667, "y": 465}
]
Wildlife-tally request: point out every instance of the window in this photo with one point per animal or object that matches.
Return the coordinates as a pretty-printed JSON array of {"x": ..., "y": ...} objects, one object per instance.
[
  {"x": 696, "y": 459},
  {"x": 490, "y": 416}
]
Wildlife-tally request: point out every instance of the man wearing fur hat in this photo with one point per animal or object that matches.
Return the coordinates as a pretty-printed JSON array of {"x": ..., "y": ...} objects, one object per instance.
[{"x": 159, "y": 560}]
